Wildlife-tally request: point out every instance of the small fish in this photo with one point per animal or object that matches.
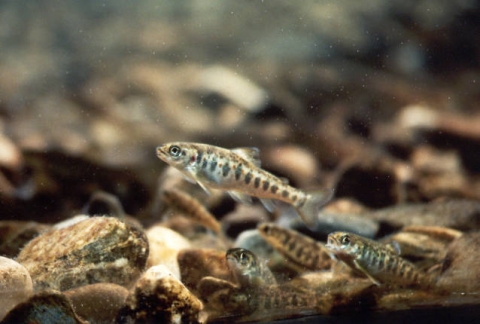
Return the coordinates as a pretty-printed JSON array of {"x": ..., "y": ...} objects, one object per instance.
[
  {"x": 297, "y": 247},
  {"x": 191, "y": 207},
  {"x": 238, "y": 171},
  {"x": 379, "y": 262},
  {"x": 248, "y": 271}
]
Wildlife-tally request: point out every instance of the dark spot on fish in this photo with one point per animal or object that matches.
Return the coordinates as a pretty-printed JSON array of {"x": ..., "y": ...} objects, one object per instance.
[
  {"x": 299, "y": 252},
  {"x": 213, "y": 165},
  {"x": 257, "y": 182},
  {"x": 204, "y": 163},
  {"x": 285, "y": 193},
  {"x": 381, "y": 260},
  {"x": 225, "y": 169},
  {"x": 248, "y": 177},
  {"x": 274, "y": 189},
  {"x": 184, "y": 152},
  {"x": 294, "y": 197},
  {"x": 402, "y": 268},
  {"x": 199, "y": 156},
  {"x": 292, "y": 245},
  {"x": 374, "y": 260},
  {"x": 266, "y": 184},
  {"x": 238, "y": 172}
]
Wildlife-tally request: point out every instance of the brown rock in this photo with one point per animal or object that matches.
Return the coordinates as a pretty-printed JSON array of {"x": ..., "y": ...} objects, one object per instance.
[
  {"x": 15, "y": 234},
  {"x": 97, "y": 303},
  {"x": 159, "y": 297},
  {"x": 98, "y": 249}
]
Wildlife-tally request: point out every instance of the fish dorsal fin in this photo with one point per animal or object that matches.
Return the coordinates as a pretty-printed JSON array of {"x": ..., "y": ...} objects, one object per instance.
[{"x": 251, "y": 154}]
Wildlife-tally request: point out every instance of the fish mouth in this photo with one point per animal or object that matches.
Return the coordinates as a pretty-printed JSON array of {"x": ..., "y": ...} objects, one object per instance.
[{"x": 161, "y": 152}]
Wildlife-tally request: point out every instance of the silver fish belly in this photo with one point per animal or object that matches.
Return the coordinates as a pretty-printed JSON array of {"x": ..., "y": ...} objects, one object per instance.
[{"x": 238, "y": 171}]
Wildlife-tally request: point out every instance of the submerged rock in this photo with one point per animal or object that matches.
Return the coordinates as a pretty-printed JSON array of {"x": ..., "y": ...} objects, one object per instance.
[
  {"x": 97, "y": 303},
  {"x": 45, "y": 307},
  {"x": 15, "y": 285},
  {"x": 159, "y": 297},
  {"x": 98, "y": 249}
]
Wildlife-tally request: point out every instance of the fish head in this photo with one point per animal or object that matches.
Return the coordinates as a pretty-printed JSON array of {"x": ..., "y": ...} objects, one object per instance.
[
  {"x": 242, "y": 262},
  {"x": 178, "y": 155},
  {"x": 343, "y": 245}
]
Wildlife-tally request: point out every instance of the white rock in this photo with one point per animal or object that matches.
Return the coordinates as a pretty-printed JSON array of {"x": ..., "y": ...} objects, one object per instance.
[{"x": 15, "y": 285}]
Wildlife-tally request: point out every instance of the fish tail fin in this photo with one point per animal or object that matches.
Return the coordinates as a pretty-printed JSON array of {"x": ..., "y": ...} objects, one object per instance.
[{"x": 316, "y": 199}]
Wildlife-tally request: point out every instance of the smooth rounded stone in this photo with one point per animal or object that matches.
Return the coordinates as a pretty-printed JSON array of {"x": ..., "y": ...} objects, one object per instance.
[
  {"x": 198, "y": 263},
  {"x": 295, "y": 162},
  {"x": 98, "y": 249},
  {"x": 159, "y": 297},
  {"x": 15, "y": 285},
  {"x": 461, "y": 269},
  {"x": 15, "y": 234},
  {"x": 45, "y": 307},
  {"x": 460, "y": 214},
  {"x": 97, "y": 303},
  {"x": 164, "y": 247}
]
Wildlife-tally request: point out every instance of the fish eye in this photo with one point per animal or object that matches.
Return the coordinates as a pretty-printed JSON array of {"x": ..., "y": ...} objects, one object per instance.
[
  {"x": 345, "y": 240},
  {"x": 174, "y": 150}
]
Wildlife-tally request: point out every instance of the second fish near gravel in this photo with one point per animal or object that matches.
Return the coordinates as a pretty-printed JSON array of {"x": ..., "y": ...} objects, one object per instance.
[{"x": 238, "y": 171}]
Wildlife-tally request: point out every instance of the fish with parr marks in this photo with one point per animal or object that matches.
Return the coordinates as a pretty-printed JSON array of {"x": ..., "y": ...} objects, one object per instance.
[
  {"x": 238, "y": 172},
  {"x": 379, "y": 262}
]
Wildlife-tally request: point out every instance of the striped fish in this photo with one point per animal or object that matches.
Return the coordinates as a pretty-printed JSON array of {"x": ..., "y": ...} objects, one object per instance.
[
  {"x": 298, "y": 248},
  {"x": 238, "y": 172},
  {"x": 379, "y": 262}
]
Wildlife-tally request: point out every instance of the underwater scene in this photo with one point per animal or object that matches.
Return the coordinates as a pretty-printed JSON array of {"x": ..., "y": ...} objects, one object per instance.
[{"x": 239, "y": 161}]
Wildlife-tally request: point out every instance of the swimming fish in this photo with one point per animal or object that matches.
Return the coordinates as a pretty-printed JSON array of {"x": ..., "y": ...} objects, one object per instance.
[
  {"x": 297, "y": 247},
  {"x": 248, "y": 270},
  {"x": 238, "y": 171},
  {"x": 379, "y": 262},
  {"x": 191, "y": 207}
]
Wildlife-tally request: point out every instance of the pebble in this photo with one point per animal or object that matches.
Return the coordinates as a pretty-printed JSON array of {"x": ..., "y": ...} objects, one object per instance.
[
  {"x": 15, "y": 234},
  {"x": 164, "y": 247},
  {"x": 15, "y": 285},
  {"x": 98, "y": 249},
  {"x": 97, "y": 303},
  {"x": 159, "y": 297},
  {"x": 45, "y": 307}
]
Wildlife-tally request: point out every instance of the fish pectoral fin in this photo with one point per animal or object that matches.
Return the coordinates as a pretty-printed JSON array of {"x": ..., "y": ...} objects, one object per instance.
[
  {"x": 268, "y": 204},
  {"x": 240, "y": 197},
  {"x": 251, "y": 154},
  {"x": 189, "y": 175},
  {"x": 394, "y": 247},
  {"x": 365, "y": 272}
]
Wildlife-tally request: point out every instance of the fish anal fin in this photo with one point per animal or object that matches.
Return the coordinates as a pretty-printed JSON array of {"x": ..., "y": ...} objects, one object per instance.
[
  {"x": 251, "y": 154},
  {"x": 359, "y": 267},
  {"x": 310, "y": 209},
  {"x": 268, "y": 204},
  {"x": 240, "y": 197}
]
